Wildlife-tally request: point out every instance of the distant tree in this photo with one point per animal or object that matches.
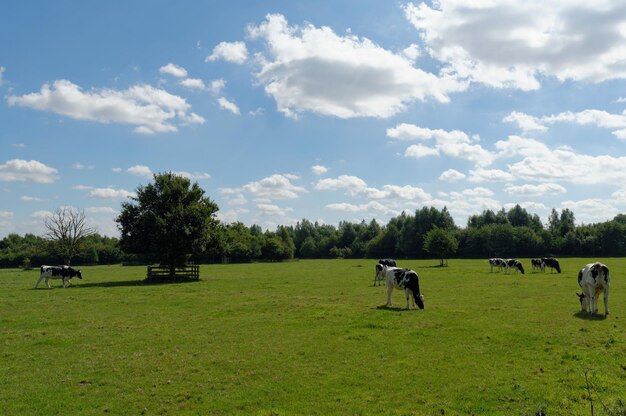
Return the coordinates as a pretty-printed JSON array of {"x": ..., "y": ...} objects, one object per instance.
[
  {"x": 67, "y": 228},
  {"x": 440, "y": 242},
  {"x": 169, "y": 218}
]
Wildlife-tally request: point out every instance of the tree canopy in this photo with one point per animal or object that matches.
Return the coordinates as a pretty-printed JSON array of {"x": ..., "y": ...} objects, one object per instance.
[{"x": 169, "y": 218}]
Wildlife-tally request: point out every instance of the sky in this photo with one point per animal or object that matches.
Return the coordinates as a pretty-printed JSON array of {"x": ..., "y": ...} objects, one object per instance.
[{"x": 325, "y": 110}]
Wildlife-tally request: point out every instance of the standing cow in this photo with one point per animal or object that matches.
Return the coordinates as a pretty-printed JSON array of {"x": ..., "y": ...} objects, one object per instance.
[
  {"x": 514, "y": 264},
  {"x": 496, "y": 262},
  {"x": 552, "y": 263},
  {"x": 379, "y": 277},
  {"x": 57, "y": 272},
  {"x": 407, "y": 280},
  {"x": 594, "y": 279}
]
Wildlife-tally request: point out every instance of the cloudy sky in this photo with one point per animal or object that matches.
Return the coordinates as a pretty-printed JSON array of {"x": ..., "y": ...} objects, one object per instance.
[{"x": 338, "y": 110}]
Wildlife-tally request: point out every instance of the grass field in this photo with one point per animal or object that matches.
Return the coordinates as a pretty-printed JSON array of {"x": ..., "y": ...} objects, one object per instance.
[{"x": 310, "y": 338}]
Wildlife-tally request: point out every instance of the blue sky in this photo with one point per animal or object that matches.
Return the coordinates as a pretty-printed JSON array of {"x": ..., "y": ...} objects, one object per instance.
[{"x": 329, "y": 111}]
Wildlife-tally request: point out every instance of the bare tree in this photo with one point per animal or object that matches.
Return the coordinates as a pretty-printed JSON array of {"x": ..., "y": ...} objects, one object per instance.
[{"x": 67, "y": 228}]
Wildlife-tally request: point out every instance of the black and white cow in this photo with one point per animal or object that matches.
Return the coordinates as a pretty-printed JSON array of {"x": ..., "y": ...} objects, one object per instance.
[
  {"x": 537, "y": 265},
  {"x": 496, "y": 262},
  {"x": 379, "y": 277},
  {"x": 57, "y": 272},
  {"x": 407, "y": 280},
  {"x": 552, "y": 263},
  {"x": 593, "y": 279},
  {"x": 515, "y": 264}
]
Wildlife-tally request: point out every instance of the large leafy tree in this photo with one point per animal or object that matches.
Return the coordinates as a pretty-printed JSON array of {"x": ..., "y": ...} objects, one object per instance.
[
  {"x": 441, "y": 242},
  {"x": 169, "y": 218}
]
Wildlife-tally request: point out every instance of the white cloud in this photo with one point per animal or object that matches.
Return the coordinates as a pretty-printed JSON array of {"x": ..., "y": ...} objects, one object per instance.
[
  {"x": 228, "y": 105},
  {"x": 352, "y": 184},
  {"x": 82, "y": 187},
  {"x": 2, "y": 69},
  {"x": 355, "y": 186},
  {"x": 273, "y": 210},
  {"x": 174, "y": 70},
  {"x": 525, "y": 122},
  {"x": 535, "y": 190},
  {"x": 100, "y": 210},
  {"x": 6, "y": 215},
  {"x": 319, "y": 169},
  {"x": 18, "y": 170},
  {"x": 110, "y": 193},
  {"x": 217, "y": 85},
  {"x": 519, "y": 146},
  {"x": 412, "y": 52},
  {"x": 140, "y": 170},
  {"x": 27, "y": 198},
  {"x": 591, "y": 210},
  {"x": 489, "y": 175},
  {"x": 418, "y": 151},
  {"x": 313, "y": 69},
  {"x": 564, "y": 165},
  {"x": 274, "y": 187},
  {"x": 193, "y": 84},
  {"x": 234, "y": 52},
  {"x": 451, "y": 175},
  {"x": 151, "y": 109},
  {"x": 510, "y": 44},
  {"x": 40, "y": 215},
  {"x": 453, "y": 143},
  {"x": 195, "y": 176}
]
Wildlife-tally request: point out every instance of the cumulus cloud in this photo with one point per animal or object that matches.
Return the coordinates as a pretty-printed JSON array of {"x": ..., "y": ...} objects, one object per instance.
[
  {"x": 489, "y": 175},
  {"x": 508, "y": 44},
  {"x": 27, "y": 198},
  {"x": 319, "y": 169},
  {"x": 455, "y": 143},
  {"x": 173, "y": 70},
  {"x": 195, "y": 176},
  {"x": 6, "y": 215},
  {"x": 593, "y": 117},
  {"x": 216, "y": 86},
  {"x": 140, "y": 170},
  {"x": 313, "y": 69},
  {"x": 272, "y": 187},
  {"x": 228, "y": 105},
  {"x": 18, "y": 170},
  {"x": 234, "y": 52},
  {"x": 451, "y": 175},
  {"x": 151, "y": 109},
  {"x": 110, "y": 193},
  {"x": 2, "y": 69},
  {"x": 100, "y": 210},
  {"x": 535, "y": 190},
  {"x": 40, "y": 215},
  {"x": 355, "y": 186},
  {"x": 273, "y": 210},
  {"x": 591, "y": 210},
  {"x": 193, "y": 84}
]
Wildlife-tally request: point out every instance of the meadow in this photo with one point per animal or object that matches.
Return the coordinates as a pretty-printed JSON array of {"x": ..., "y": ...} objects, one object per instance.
[{"x": 311, "y": 338}]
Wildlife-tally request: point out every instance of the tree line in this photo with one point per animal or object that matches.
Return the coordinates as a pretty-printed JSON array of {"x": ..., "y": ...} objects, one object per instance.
[
  {"x": 171, "y": 222},
  {"x": 513, "y": 233}
]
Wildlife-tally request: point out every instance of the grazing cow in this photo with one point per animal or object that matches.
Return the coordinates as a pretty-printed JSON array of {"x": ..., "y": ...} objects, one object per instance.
[
  {"x": 406, "y": 279},
  {"x": 516, "y": 264},
  {"x": 57, "y": 272},
  {"x": 593, "y": 279},
  {"x": 537, "y": 265},
  {"x": 496, "y": 262},
  {"x": 379, "y": 277},
  {"x": 552, "y": 263}
]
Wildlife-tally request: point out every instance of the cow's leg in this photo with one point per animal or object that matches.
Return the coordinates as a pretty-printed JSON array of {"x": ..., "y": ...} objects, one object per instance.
[
  {"x": 38, "y": 281},
  {"x": 406, "y": 295},
  {"x": 606, "y": 300},
  {"x": 389, "y": 289},
  {"x": 48, "y": 283}
]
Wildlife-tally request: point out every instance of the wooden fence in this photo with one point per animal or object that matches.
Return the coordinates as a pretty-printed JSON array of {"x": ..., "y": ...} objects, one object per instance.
[{"x": 189, "y": 272}]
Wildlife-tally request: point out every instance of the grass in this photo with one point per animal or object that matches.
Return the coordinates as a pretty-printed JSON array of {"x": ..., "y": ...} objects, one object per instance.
[{"x": 310, "y": 337}]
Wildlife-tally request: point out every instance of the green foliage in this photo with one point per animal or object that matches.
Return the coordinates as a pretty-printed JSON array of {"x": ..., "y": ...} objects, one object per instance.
[
  {"x": 441, "y": 242},
  {"x": 170, "y": 218}
]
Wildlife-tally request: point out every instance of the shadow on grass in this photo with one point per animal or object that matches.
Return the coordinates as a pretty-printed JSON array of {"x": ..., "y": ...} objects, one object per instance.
[
  {"x": 129, "y": 283},
  {"x": 391, "y": 308},
  {"x": 589, "y": 317}
]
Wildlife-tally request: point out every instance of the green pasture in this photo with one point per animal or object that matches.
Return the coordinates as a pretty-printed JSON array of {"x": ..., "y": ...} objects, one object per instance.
[{"x": 311, "y": 338}]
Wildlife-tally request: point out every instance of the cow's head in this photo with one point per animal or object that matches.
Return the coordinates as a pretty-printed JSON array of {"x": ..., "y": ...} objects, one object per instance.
[
  {"x": 419, "y": 301},
  {"x": 379, "y": 270},
  {"x": 77, "y": 274},
  {"x": 584, "y": 301}
]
